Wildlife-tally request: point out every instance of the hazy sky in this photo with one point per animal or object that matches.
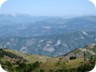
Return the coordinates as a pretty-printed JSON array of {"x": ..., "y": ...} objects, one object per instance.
[{"x": 49, "y": 7}]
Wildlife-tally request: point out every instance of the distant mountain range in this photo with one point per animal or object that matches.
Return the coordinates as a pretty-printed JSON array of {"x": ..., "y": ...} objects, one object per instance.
[{"x": 52, "y": 36}]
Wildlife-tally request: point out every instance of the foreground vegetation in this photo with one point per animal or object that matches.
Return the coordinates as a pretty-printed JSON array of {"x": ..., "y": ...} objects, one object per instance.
[{"x": 13, "y": 61}]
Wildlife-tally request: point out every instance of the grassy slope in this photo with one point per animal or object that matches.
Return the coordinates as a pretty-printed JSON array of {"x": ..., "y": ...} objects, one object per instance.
[
  {"x": 48, "y": 62},
  {"x": 30, "y": 58},
  {"x": 52, "y": 63}
]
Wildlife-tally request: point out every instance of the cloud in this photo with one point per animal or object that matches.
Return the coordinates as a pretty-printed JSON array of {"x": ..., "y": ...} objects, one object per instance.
[
  {"x": 2, "y": 2},
  {"x": 93, "y": 2}
]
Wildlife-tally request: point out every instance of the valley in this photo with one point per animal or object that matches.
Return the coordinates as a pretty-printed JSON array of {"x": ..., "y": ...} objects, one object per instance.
[
  {"x": 47, "y": 44},
  {"x": 51, "y": 36}
]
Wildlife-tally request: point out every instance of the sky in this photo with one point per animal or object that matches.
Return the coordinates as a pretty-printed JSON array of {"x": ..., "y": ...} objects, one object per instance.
[{"x": 49, "y": 7}]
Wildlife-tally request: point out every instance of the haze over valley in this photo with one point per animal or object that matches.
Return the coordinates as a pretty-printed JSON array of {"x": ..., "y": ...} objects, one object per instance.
[{"x": 52, "y": 36}]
